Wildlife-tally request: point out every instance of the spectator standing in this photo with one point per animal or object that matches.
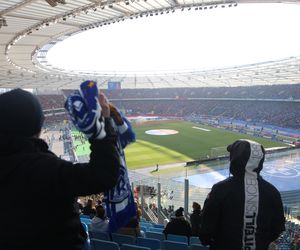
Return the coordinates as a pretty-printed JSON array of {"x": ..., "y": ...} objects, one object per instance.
[
  {"x": 244, "y": 211},
  {"x": 100, "y": 222},
  {"x": 195, "y": 219},
  {"x": 178, "y": 225},
  {"x": 30, "y": 174}
]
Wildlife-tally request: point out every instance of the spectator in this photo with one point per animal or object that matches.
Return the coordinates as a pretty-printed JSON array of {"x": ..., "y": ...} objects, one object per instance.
[
  {"x": 178, "y": 225},
  {"x": 30, "y": 174},
  {"x": 100, "y": 222},
  {"x": 196, "y": 219},
  {"x": 89, "y": 209},
  {"x": 244, "y": 211}
]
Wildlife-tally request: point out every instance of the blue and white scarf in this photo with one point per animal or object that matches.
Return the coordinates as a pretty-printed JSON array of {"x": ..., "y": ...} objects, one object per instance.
[
  {"x": 85, "y": 113},
  {"x": 119, "y": 201}
]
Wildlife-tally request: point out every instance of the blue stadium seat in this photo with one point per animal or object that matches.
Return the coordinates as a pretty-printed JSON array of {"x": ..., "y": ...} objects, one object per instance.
[
  {"x": 123, "y": 239},
  {"x": 173, "y": 245},
  {"x": 155, "y": 229},
  {"x": 99, "y": 235},
  {"x": 86, "y": 243},
  {"x": 178, "y": 238},
  {"x": 198, "y": 247},
  {"x": 133, "y": 247},
  {"x": 85, "y": 226},
  {"x": 194, "y": 240},
  {"x": 146, "y": 224},
  {"x": 153, "y": 244},
  {"x": 102, "y": 244},
  {"x": 145, "y": 229},
  {"x": 85, "y": 216},
  {"x": 159, "y": 226},
  {"x": 86, "y": 221},
  {"x": 154, "y": 235}
]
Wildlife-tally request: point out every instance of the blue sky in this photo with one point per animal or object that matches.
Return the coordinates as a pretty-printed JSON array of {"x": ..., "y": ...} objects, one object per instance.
[{"x": 185, "y": 40}]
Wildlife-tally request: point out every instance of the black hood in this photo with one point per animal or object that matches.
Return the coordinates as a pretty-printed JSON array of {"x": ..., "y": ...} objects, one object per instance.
[{"x": 245, "y": 155}]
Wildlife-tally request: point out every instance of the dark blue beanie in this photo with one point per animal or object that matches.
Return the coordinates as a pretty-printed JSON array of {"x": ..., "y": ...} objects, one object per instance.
[{"x": 20, "y": 113}]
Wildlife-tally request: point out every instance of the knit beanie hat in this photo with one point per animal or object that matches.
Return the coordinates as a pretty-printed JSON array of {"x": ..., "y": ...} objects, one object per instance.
[{"x": 20, "y": 113}]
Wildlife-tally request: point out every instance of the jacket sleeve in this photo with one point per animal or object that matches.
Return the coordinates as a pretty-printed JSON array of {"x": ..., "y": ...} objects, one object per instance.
[
  {"x": 210, "y": 217},
  {"x": 99, "y": 174},
  {"x": 278, "y": 220}
]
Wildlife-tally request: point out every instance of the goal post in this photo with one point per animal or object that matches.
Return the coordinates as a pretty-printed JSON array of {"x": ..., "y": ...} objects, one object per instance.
[{"x": 219, "y": 152}]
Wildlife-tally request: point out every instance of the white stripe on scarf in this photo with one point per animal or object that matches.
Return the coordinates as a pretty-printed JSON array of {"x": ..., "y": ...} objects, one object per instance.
[{"x": 251, "y": 196}]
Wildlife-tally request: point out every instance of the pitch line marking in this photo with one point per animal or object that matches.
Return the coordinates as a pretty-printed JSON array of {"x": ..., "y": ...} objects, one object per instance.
[{"x": 204, "y": 129}]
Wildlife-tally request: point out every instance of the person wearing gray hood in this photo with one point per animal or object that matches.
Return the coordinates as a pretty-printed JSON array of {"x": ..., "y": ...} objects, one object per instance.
[{"x": 243, "y": 211}]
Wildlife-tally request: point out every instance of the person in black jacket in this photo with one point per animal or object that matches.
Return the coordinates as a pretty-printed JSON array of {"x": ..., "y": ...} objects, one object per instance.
[
  {"x": 37, "y": 188},
  {"x": 244, "y": 211},
  {"x": 178, "y": 225},
  {"x": 195, "y": 219}
]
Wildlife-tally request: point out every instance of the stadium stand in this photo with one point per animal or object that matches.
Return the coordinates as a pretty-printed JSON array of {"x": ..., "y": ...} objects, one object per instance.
[
  {"x": 264, "y": 106},
  {"x": 51, "y": 101},
  {"x": 256, "y": 92},
  {"x": 153, "y": 241},
  {"x": 277, "y": 105},
  {"x": 290, "y": 239}
]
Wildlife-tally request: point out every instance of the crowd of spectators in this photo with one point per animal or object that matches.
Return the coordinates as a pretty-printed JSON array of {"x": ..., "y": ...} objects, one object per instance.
[
  {"x": 287, "y": 92},
  {"x": 152, "y": 101},
  {"x": 55, "y": 118},
  {"x": 291, "y": 91},
  {"x": 51, "y": 101},
  {"x": 282, "y": 114}
]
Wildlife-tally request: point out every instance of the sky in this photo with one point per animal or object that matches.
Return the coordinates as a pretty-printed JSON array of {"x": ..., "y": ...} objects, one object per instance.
[{"x": 185, "y": 40}]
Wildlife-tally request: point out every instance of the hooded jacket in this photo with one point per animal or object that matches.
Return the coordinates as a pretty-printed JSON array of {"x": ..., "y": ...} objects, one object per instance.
[
  {"x": 243, "y": 211},
  {"x": 38, "y": 192}
]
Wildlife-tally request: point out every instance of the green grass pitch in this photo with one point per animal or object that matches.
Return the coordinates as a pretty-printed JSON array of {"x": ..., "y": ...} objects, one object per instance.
[{"x": 189, "y": 144}]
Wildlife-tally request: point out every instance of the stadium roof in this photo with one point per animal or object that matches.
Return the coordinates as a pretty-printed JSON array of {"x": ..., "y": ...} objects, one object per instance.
[{"x": 29, "y": 28}]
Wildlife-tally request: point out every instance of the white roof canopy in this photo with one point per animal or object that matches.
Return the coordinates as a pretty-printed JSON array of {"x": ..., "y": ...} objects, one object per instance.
[{"x": 28, "y": 28}]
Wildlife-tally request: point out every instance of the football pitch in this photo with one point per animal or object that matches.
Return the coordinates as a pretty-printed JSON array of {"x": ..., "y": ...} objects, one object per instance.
[{"x": 189, "y": 142}]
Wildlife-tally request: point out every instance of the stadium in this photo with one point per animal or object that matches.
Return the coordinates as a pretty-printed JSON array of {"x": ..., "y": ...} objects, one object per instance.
[{"x": 184, "y": 119}]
